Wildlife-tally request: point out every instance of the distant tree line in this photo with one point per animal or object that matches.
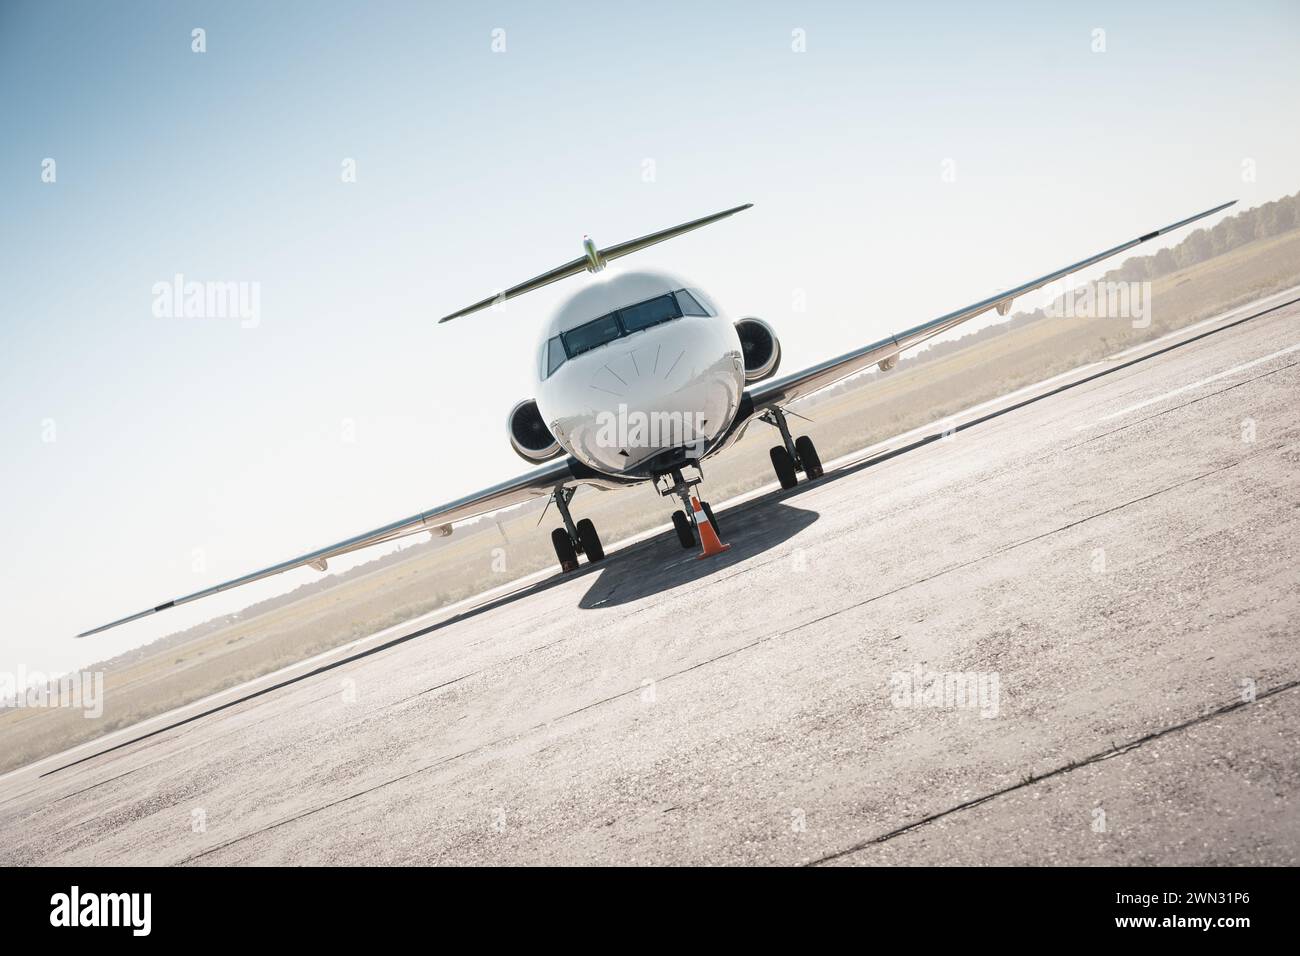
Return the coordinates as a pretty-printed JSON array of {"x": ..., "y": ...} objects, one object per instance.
[
  {"x": 1260, "y": 222},
  {"x": 1271, "y": 219}
]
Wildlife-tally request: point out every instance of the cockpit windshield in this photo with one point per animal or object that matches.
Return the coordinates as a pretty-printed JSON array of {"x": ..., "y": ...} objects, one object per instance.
[
  {"x": 592, "y": 335},
  {"x": 616, "y": 325},
  {"x": 645, "y": 314}
]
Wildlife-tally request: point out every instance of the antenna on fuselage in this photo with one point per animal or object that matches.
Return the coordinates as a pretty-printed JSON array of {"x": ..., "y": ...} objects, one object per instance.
[{"x": 593, "y": 260}]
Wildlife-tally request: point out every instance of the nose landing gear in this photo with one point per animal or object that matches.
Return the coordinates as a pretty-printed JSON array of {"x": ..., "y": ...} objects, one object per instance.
[
  {"x": 793, "y": 454},
  {"x": 574, "y": 539},
  {"x": 684, "y": 519}
]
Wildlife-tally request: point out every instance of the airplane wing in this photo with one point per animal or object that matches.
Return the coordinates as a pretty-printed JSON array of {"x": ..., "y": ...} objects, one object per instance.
[
  {"x": 595, "y": 260},
  {"x": 790, "y": 387},
  {"x": 537, "y": 483}
]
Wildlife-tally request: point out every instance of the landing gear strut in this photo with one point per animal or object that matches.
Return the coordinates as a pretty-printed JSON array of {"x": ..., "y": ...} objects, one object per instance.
[
  {"x": 793, "y": 454},
  {"x": 684, "y": 520},
  {"x": 574, "y": 539}
]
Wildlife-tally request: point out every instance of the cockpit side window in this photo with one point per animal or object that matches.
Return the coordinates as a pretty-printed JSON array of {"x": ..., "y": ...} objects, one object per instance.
[
  {"x": 689, "y": 304},
  {"x": 645, "y": 314},
  {"x": 552, "y": 357}
]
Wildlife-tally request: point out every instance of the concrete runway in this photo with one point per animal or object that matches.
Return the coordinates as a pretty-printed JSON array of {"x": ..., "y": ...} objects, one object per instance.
[{"x": 1118, "y": 548}]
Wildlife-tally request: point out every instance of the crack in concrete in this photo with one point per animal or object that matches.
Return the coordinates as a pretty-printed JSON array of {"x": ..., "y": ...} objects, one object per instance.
[
  {"x": 318, "y": 809},
  {"x": 1029, "y": 781},
  {"x": 733, "y": 651},
  {"x": 1177, "y": 407},
  {"x": 465, "y": 753},
  {"x": 1016, "y": 544},
  {"x": 692, "y": 667}
]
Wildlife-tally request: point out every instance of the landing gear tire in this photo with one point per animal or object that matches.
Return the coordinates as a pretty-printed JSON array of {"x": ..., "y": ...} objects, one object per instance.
[
  {"x": 708, "y": 513},
  {"x": 807, "y": 452},
  {"x": 783, "y": 465},
  {"x": 685, "y": 531},
  {"x": 589, "y": 540},
  {"x": 564, "y": 550}
]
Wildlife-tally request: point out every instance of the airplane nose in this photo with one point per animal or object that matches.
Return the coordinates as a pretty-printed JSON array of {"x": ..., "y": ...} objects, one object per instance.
[
  {"x": 673, "y": 387},
  {"x": 647, "y": 370}
]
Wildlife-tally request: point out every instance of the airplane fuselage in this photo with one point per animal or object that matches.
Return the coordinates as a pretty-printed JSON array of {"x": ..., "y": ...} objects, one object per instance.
[{"x": 639, "y": 373}]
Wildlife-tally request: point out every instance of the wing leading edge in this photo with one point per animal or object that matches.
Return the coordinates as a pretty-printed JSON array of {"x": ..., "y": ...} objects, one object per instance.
[
  {"x": 790, "y": 387},
  {"x": 536, "y": 483}
]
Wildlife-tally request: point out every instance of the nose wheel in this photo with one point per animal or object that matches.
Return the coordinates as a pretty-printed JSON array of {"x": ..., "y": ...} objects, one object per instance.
[
  {"x": 793, "y": 455},
  {"x": 685, "y": 526},
  {"x": 684, "y": 518},
  {"x": 574, "y": 539},
  {"x": 685, "y": 529}
]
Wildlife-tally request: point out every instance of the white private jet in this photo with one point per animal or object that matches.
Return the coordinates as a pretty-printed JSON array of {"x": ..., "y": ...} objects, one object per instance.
[{"x": 640, "y": 377}]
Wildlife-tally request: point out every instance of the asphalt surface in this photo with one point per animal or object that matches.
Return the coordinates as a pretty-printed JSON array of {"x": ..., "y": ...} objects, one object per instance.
[{"x": 1115, "y": 553}]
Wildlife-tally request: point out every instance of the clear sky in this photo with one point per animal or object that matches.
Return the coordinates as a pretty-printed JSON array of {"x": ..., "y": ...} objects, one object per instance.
[{"x": 131, "y": 440}]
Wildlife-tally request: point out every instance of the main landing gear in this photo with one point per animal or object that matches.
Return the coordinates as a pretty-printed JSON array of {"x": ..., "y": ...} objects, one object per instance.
[
  {"x": 684, "y": 520},
  {"x": 794, "y": 454},
  {"x": 574, "y": 539}
]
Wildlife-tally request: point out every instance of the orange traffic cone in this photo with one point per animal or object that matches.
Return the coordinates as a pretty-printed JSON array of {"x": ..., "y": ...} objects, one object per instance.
[{"x": 708, "y": 537}]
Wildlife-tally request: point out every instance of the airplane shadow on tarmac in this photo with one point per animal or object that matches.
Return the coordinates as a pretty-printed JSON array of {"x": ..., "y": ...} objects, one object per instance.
[{"x": 662, "y": 564}]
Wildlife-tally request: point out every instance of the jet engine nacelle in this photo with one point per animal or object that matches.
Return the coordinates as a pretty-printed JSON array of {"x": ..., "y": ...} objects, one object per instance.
[
  {"x": 529, "y": 436},
  {"x": 761, "y": 348}
]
